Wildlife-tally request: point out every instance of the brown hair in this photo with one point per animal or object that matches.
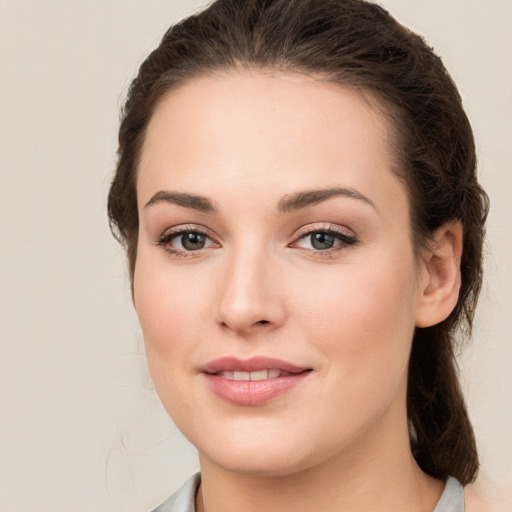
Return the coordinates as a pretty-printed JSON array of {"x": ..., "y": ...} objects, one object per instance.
[{"x": 358, "y": 44}]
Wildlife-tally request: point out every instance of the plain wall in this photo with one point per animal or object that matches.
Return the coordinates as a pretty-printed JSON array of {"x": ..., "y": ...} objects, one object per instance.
[{"x": 81, "y": 428}]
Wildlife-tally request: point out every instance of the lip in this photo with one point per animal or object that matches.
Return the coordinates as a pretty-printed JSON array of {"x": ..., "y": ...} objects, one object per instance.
[
  {"x": 252, "y": 393},
  {"x": 253, "y": 364}
]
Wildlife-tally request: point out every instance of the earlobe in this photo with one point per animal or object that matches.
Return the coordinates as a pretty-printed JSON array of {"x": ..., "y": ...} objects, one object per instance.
[{"x": 440, "y": 275}]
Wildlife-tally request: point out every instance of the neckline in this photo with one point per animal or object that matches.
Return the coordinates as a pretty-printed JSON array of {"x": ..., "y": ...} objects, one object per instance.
[{"x": 452, "y": 499}]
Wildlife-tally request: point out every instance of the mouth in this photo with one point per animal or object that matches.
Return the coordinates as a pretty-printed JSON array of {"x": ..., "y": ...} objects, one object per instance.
[
  {"x": 254, "y": 381},
  {"x": 270, "y": 373},
  {"x": 253, "y": 365}
]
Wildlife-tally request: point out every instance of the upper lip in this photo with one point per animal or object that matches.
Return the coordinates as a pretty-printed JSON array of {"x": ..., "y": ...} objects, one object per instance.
[{"x": 254, "y": 364}]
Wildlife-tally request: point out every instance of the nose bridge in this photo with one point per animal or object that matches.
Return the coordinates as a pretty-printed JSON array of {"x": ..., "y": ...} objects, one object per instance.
[{"x": 249, "y": 297}]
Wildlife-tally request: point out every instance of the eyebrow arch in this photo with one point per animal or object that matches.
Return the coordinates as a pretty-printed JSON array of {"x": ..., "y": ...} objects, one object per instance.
[
  {"x": 200, "y": 203},
  {"x": 307, "y": 198}
]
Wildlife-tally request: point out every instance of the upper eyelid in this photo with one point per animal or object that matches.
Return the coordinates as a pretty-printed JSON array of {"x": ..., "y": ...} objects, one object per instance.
[
  {"x": 299, "y": 233},
  {"x": 312, "y": 228},
  {"x": 346, "y": 236},
  {"x": 184, "y": 228},
  {"x": 169, "y": 234},
  {"x": 165, "y": 240}
]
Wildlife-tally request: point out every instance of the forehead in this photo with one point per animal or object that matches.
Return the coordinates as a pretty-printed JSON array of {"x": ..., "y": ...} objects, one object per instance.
[{"x": 260, "y": 132}]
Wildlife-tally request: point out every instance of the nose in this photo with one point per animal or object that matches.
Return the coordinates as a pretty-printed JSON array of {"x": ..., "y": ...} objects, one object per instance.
[{"x": 250, "y": 299}]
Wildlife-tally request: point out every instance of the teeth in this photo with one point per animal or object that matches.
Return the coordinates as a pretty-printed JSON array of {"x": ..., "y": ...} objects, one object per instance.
[
  {"x": 257, "y": 375},
  {"x": 261, "y": 375}
]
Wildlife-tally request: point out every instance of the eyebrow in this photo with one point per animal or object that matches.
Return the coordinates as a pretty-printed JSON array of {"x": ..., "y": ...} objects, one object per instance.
[
  {"x": 308, "y": 198},
  {"x": 296, "y": 201},
  {"x": 200, "y": 203}
]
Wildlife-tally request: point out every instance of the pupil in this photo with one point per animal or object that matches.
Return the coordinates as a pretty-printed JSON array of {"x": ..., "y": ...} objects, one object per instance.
[
  {"x": 193, "y": 241},
  {"x": 322, "y": 240}
]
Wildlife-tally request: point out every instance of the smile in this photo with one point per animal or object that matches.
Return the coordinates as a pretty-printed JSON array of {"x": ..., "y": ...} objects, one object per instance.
[
  {"x": 252, "y": 376},
  {"x": 254, "y": 381}
]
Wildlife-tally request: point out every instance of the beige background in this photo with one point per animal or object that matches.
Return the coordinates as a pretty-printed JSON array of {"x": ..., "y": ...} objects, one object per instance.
[{"x": 80, "y": 426}]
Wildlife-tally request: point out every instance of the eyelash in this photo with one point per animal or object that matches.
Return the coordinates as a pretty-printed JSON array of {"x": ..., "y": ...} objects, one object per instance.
[
  {"x": 166, "y": 238},
  {"x": 345, "y": 240}
]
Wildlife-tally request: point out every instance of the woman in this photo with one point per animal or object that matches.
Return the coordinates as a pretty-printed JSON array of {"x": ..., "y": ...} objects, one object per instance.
[{"x": 297, "y": 193}]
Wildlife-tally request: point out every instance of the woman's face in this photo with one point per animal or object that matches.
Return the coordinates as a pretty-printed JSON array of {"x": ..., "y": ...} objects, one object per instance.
[{"x": 275, "y": 281}]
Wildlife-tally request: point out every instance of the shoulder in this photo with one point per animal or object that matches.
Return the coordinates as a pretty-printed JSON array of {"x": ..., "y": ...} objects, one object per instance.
[
  {"x": 488, "y": 496},
  {"x": 183, "y": 500}
]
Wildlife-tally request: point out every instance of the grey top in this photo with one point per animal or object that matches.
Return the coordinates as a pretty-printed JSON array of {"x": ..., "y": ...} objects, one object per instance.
[{"x": 183, "y": 500}]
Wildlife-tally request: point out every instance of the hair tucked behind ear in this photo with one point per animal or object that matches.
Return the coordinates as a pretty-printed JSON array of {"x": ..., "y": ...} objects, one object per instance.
[{"x": 356, "y": 44}]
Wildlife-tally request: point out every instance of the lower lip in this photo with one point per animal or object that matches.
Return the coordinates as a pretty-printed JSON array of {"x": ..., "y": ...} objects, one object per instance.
[{"x": 253, "y": 392}]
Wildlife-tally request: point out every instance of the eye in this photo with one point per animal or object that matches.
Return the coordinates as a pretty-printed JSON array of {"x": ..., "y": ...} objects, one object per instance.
[
  {"x": 321, "y": 240},
  {"x": 324, "y": 240},
  {"x": 185, "y": 241},
  {"x": 190, "y": 241}
]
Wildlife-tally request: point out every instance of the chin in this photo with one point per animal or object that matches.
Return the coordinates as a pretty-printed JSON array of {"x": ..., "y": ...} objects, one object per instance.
[
  {"x": 263, "y": 465},
  {"x": 258, "y": 457}
]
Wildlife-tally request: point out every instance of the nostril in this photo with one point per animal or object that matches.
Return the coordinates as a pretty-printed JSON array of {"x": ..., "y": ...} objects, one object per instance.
[{"x": 263, "y": 322}]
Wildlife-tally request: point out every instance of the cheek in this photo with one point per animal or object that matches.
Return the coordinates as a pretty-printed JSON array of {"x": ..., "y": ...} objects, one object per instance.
[
  {"x": 362, "y": 319},
  {"x": 168, "y": 300},
  {"x": 361, "y": 324},
  {"x": 169, "y": 305}
]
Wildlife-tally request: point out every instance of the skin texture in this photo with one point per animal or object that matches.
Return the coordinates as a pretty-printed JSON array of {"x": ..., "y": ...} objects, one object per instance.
[{"x": 248, "y": 142}]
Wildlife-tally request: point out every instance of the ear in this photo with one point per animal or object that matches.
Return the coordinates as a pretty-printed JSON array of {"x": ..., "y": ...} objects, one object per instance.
[{"x": 440, "y": 275}]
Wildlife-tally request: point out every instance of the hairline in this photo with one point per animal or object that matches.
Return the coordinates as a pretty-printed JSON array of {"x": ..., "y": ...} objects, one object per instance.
[{"x": 376, "y": 100}]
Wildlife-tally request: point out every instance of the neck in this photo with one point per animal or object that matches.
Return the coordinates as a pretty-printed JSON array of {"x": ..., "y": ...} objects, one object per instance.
[{"x": 379, "y": 473}]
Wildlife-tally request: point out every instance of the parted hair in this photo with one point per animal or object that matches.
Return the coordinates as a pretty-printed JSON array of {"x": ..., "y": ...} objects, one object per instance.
[{"x": 356, "y": 44}]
